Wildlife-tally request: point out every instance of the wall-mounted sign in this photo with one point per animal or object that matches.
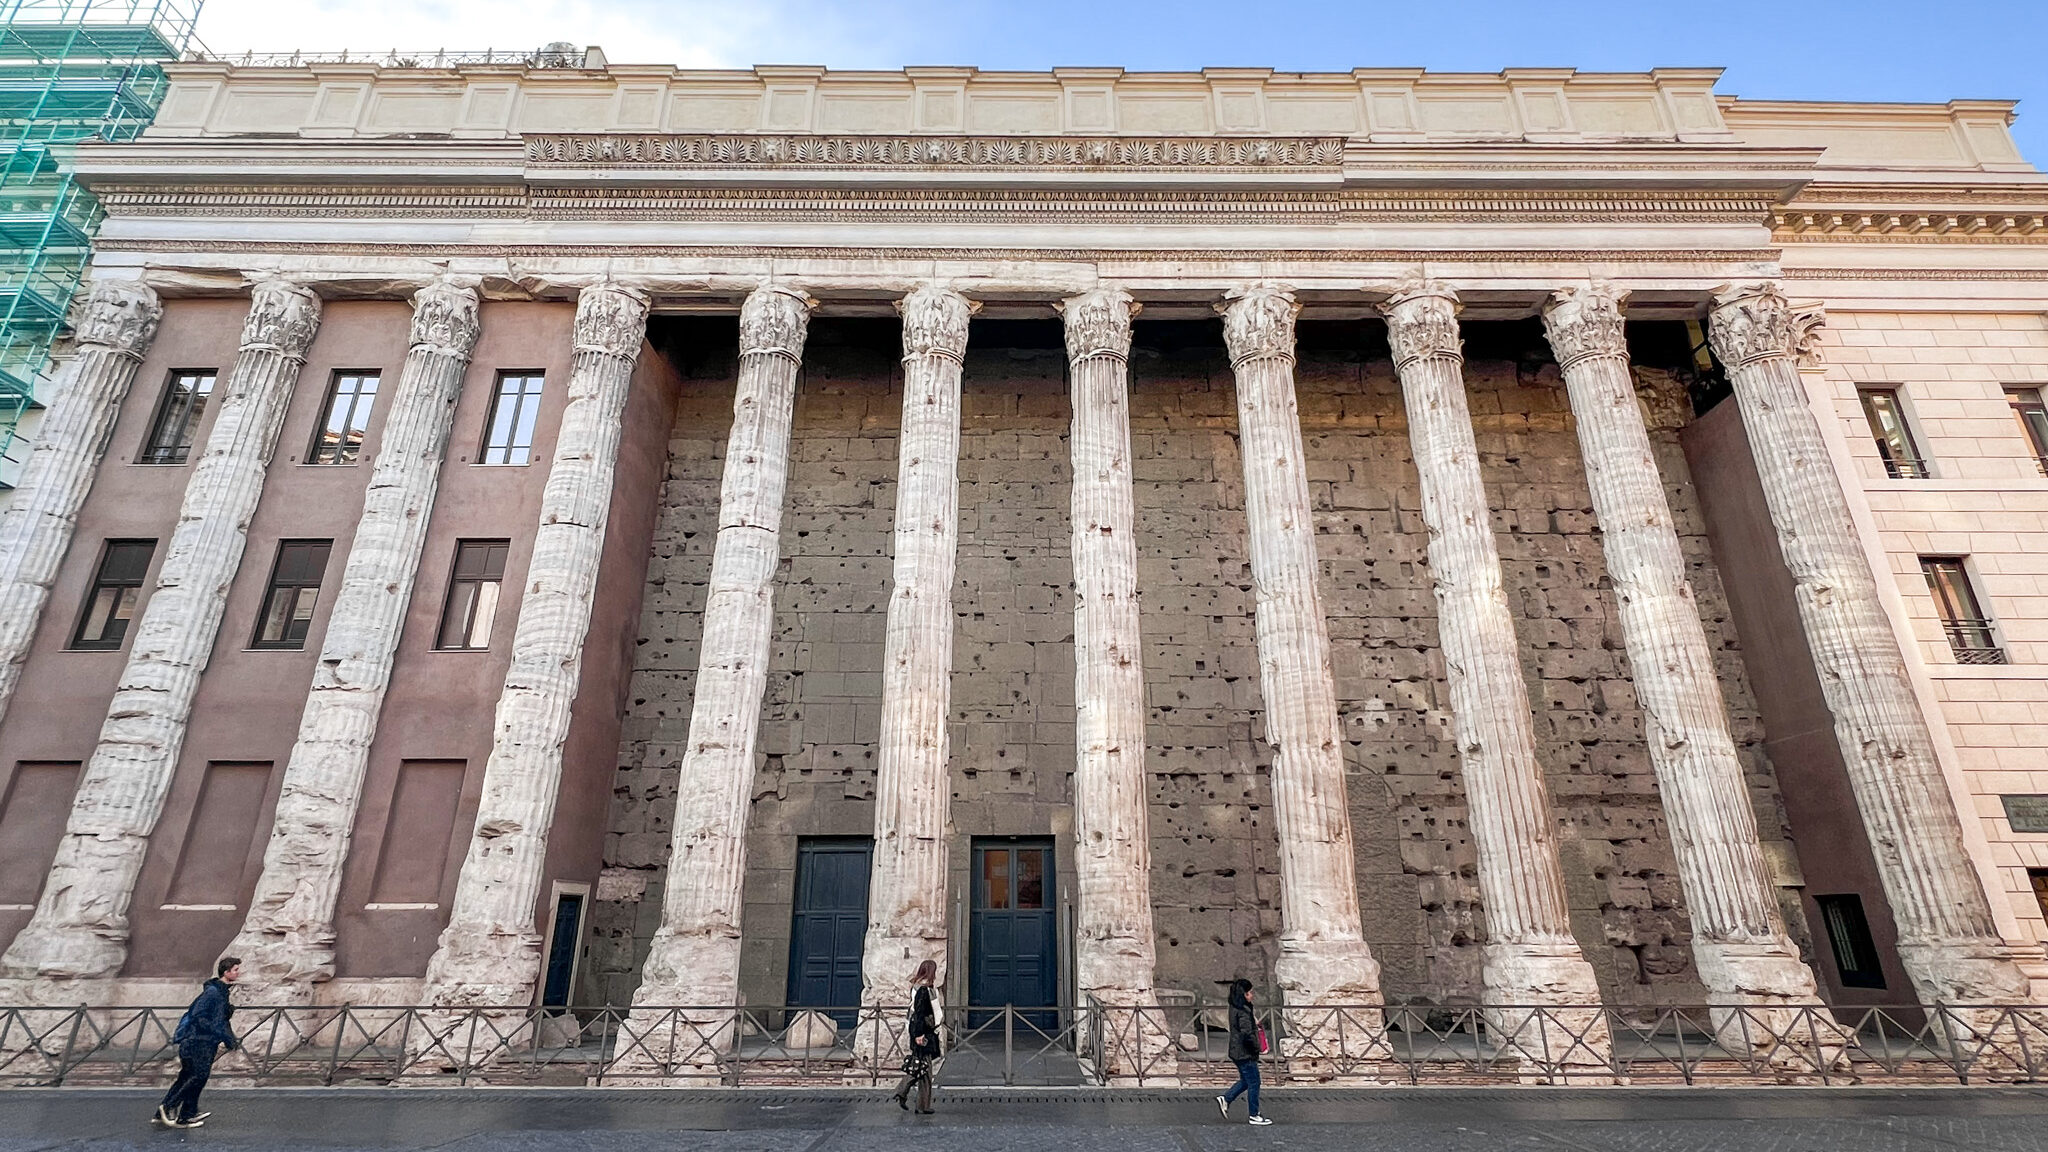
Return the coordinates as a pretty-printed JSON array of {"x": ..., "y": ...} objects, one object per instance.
[{"x": 2026, "y": 813}]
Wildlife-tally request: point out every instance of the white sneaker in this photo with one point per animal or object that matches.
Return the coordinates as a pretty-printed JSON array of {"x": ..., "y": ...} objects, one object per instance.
[
  {"x": 1258, "y": 1120},
  {"x": 1223, "y": 1106}
]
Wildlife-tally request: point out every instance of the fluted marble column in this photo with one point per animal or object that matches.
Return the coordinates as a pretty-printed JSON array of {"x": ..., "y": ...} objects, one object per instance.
[
  {"x": 115, "y": 329},
  {"x": 1531, "y": 958},
  {"x": 80, "y": 927},
  {"x": 1324, "y": 959},
  {"x": 490, "y": 953},
  {"x": 1739, "y": 939},
  {"x": 1114, "y": 951},
  {"x": 913, "y": 792},
  {"x": 287, "y": 940},
  {"x": 695, "y": 957},
  {"x": 1948, "y": 941}
]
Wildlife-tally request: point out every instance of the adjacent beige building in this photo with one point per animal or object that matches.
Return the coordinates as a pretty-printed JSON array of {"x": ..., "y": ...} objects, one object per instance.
[{"x": 1534, "y": 539}]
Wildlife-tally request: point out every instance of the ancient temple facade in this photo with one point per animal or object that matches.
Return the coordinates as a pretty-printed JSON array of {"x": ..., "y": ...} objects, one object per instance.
[{"x": 617, "y": 535}]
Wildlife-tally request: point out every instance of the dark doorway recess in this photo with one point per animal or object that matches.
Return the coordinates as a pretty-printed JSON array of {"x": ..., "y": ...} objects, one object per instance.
[
  {"x": 1012, "y": 932},
  {"x": 828, "y": 925}
]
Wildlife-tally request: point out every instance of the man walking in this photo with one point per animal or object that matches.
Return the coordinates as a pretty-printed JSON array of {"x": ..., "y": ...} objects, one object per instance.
[{"x": 201, "y": 1032}]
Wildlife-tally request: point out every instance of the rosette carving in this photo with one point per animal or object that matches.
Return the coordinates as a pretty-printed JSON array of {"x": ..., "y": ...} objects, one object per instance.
[
  {"x": 122, "y": 315},
  {"x": 611, "y": 318},
  {"x": 775, "y": 319},
  {"x": 1098, "y": 323},
  {"x": 935, "y": 321},
  {"x": 444, "y": 319},
  {"x": 1585, "y": 322},
  {"x": 1422, "y": 321},
  {"x": 1752, "y": 321},
  {"x": 282, "y": 316},
  {"x": 1258, "y": 322}
]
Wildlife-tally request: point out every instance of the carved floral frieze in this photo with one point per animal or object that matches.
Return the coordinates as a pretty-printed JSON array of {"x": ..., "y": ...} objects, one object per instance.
[
  {"x": 1098, "y": 323},
  {"x": 444, "y": 318},
  {"x": 611, "y": 319},
  {"x": 120, "y": 314},
  {"x": 584, "y": 148},
  {"x": 775, "y": 320}
]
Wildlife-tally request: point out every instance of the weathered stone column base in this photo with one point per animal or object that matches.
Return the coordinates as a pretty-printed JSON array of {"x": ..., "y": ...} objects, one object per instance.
[
  {"x": 1764, "y": 1006},
  {"x": 1331, "y": 1000},
  {"x": 1569, "y": 1033},
  {"x": 1132, "y": 1044},
  {"x": 681, "y": 1046},
  {"x": 1969, "y": 971}
]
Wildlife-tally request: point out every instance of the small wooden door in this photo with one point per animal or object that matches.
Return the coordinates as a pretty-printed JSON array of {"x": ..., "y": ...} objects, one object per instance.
[
  {"x": 828, "y": 924},
  {"x": 1012, "y": 931}
]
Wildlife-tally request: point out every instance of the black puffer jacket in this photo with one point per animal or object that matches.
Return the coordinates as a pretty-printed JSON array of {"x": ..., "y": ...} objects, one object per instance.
[
  {"x": 1244, "y": 1032},
  {"x": 206, "y": 1021},
  {"x": 924, "y": 1031}
]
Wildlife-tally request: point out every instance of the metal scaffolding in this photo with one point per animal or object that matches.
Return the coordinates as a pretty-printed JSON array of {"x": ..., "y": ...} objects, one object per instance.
[{"x": 70, "y": 70}]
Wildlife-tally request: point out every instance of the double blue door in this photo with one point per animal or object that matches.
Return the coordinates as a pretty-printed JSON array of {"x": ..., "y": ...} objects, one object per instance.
[
  {"x": 828, "y": 926},
  {"x": 1012, "y": 930}
]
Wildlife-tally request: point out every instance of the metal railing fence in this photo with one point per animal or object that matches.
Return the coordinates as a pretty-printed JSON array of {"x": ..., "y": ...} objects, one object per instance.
[{"x": 1151, "y": 1045}]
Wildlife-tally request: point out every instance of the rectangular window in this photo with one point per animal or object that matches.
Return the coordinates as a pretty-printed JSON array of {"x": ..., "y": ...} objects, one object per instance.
[
  {"x": 1887, "y": 419},
  {"x": 345, "y": 419},
  {"x": 508, "y": 435},
  {"x": 473, "y": 595},
  {"x": 2028, "y": 409},
  {"x": 1969, "y": 632},
  {"x": 2038, "y": 879},
  {"x": 177, "y": 417},
  {"x": 115, "y": 595},
  {"x": 1849, "y": 939},
  {"x": 294, "y": 590}
]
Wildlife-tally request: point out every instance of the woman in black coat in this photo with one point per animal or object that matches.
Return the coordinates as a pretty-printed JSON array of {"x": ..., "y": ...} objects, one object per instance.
[
  {"x": 1247, "y": 1042},
  {"x": 924, "y": 1041}
]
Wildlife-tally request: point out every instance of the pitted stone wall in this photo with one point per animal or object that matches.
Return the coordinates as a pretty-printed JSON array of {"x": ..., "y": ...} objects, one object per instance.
[{"x": 1215, "y": 878}]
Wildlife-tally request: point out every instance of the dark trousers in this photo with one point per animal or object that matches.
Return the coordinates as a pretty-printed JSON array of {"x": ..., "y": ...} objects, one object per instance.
[
  {"x": 1247, "y": 1084},
  {"x": 921, "y": 1079},
  {"x": 195, "y": 1064}
]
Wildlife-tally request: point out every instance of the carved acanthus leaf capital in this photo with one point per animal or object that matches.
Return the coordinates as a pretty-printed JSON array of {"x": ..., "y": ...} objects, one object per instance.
[
  {"x": 1755, "y": 321},
  {"x": 121, "y": 315},
  {"x": 1258, "y": 322},
  {"x": 935, "y": 322},
  {"x": 444, "y": 319},
  {"x": 283, "y": 317},
  {"x": 1585, "y": 322},
  {"x": 1099, "y": 323},
  {"x": 1422, "y": 320},
  {"x": 775, "y": 320},
  {"x": 611, "y": 318}
]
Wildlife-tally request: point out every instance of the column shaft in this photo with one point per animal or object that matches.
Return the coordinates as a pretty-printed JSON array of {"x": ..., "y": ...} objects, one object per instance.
[
  {"x": 1324, "y": 959},
  {"x": 1948, "y": 941},
  {"x": 1739, "y": 939},
  {"x": 1114, "y": 950},
  {"x": 1530, "y": 956},
  {"x": 913, "y": 793},
  {"x": 287, "y": 941},
  {"x": 116, "y": 328},
  {"x": 489, "y": 955},
  {"x": 80, "y": 926},
  {"x": 695, "y": 957}
]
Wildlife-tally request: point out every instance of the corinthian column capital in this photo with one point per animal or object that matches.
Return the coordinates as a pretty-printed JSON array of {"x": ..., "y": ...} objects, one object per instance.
[
  {"x": 611, "y": 318},
  {"x": 1585, "y": 322},
  {"x": 444, "y": 319},
  {"x": 1258, "y": 322},
  {"x": 1099, "y": 323},
  {"x": 774, "y": 320},
  {"x": 121, "y": 315},
  {"x": 1422, "y": 321},
  {"x": 1753, "y": 321},
  {"x": 283, "y": 316},
  {"x": 935, "y": 321}
]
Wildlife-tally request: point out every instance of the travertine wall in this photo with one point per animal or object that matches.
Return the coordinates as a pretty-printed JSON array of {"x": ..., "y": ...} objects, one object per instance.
[
  {"x": 1215, "y": 879},
  {"x": 1986, "y": 500}
]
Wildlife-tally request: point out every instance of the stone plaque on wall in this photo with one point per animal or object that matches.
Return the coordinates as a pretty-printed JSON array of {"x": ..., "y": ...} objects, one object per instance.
[{"x": 2026, "y": 813}]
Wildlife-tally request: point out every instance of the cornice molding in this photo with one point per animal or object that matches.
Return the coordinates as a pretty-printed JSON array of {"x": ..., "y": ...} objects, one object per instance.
[
  {"x": 994, "y": 153},
  {"x": 1918, "y": 227}
]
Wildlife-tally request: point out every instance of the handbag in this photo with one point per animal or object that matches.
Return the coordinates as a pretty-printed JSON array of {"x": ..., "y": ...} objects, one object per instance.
[{"x": 1263, "y": 1048}]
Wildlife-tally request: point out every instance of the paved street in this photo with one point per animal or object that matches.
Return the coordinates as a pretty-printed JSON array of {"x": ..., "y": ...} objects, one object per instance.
[{"x": 985, "y": 1120}]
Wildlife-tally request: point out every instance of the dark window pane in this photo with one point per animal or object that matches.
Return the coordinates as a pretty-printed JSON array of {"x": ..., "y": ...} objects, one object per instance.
[
  {"x": 1970, "y": 635},
  {"x": 508, "y": 436},
  {"x": 1887, "y": 420},
  {"x": 1849, "y": 939},
  {"x": 2032, "y": 413},
  {"x": 1031, "y": 878},
  {"x": 111, "y": 602},
  {"x": 995, "y": 877},
  {"x": 472, "y": 604},
  {"x": 177, "y": 417},
  {"x": 293, "y": 594}
]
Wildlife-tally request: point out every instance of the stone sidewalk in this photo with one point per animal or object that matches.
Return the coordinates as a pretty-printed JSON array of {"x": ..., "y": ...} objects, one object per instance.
[{"x": 986, "y": 1120}]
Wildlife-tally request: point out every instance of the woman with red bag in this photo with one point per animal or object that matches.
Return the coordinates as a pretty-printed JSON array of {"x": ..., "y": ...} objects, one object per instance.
[{"x": 1247, "y": 1043}]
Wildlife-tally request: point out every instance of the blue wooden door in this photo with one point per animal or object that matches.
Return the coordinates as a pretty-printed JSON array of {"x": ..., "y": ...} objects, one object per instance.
[
  {"x": 1012, "y": 933},
  {"x": 828, "y": 923}
]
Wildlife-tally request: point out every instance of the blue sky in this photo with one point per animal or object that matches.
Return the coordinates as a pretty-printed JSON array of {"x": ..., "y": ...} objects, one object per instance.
[{"x": 1787, "y": 49}]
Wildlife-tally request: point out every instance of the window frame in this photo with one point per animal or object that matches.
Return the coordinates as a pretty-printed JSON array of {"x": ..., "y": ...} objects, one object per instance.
[
  {"x": 1854, "y": 942},
  {"x": 457, "y": 582},
  {"x": 526, "y": 405},
  {"x": 2032, "y": 396},
  {"x": 1914, "y": 465},
  {"x": 100, "y": 582},
  {"x": 1971, "y": 633},
  {"x": 151, "y": 453},
  {"x": 361, "y": 407},
  {"x": 273, "y": 586}
]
